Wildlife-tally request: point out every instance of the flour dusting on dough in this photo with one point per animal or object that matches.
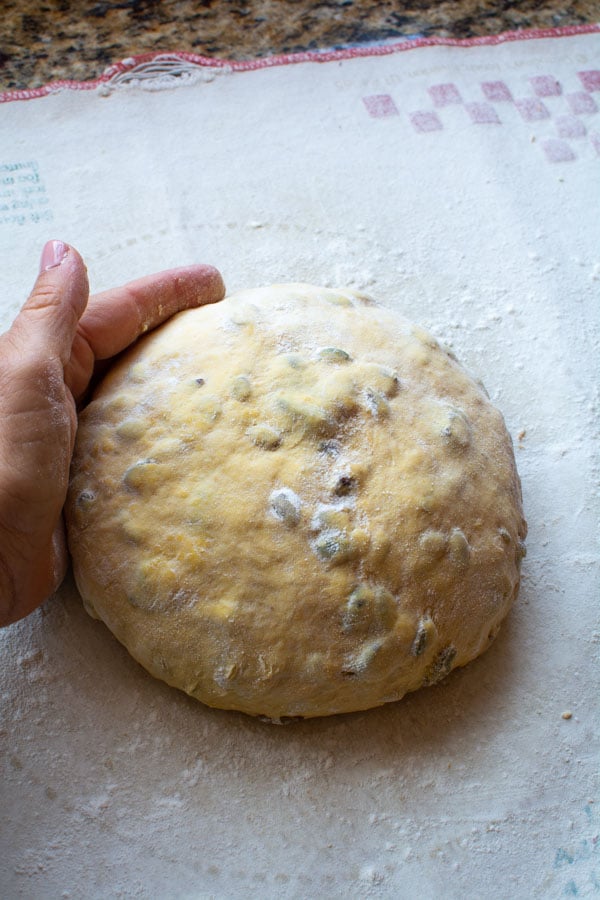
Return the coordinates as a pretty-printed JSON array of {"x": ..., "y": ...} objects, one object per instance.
[{"x": 320, "y": 516}]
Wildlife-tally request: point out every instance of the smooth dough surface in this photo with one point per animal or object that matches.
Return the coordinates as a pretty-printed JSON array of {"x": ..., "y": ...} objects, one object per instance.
[{"x": 295, "y": 503}]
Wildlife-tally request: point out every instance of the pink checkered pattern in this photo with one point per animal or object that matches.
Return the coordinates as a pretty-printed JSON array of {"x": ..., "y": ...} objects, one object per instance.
[
  {"x": 423, "y": 121},
  {"x": 570, "y": 127},
  {"x": 557, "y": 151},
  {"x": 564, "y": 110},
  {"x": 590, "y": 80},
  {"x": 545, "y": 86},
  {"x": 532, "y": 110},
  {"x": 496, "y": 91},
  {"x": 380, "y": 106},
  {"x": 582, "y": 103},
  {"x": 444, "y": 94},
  {"x": 482, "y": 113}
]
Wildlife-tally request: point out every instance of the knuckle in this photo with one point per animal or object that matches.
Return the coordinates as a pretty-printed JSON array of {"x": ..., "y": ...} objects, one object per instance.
[{"x": 43, "y": 297}]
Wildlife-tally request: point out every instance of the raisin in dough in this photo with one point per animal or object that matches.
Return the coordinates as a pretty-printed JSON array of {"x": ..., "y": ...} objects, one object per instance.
[{"x": 295, "y": 503}]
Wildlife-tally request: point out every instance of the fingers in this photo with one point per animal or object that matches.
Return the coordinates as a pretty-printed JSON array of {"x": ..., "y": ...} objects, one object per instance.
[
  {"x": 38, "y": 419},
  {"x": 46, "y": 324},
  {"x": 114, "y": 319}
]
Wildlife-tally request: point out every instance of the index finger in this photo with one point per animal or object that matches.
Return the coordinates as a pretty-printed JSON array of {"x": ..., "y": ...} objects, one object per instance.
[{"x": 114, "y": 319}]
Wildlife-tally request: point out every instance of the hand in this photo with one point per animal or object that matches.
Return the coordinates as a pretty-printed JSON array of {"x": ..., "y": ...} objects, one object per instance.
[{"x": 47, "y": 360}]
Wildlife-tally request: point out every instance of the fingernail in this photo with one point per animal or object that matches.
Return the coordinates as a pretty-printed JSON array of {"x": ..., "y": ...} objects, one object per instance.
[{"x": 52, "y": 255}]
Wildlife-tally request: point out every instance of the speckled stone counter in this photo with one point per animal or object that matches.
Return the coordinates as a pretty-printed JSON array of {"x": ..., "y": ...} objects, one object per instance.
[{"x": 47, "y": 41}]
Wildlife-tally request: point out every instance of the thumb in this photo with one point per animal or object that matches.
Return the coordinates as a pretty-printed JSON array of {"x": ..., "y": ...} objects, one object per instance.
[{"x": 47, "y": 323}]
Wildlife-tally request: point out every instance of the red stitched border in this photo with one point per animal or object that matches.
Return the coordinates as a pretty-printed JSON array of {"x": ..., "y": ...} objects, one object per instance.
[{"x": 290, "y": 58}]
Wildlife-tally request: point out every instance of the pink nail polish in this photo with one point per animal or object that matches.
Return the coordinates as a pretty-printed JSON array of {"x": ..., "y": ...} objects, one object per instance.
[{"x": 52, "y": 255}]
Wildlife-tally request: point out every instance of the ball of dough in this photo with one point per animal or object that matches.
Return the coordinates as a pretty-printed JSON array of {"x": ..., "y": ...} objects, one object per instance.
[{"x": 295, "y": 503}]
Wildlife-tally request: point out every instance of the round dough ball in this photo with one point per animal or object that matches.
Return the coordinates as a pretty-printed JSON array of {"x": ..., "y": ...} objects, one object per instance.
[{"x": 295, "y": 503}]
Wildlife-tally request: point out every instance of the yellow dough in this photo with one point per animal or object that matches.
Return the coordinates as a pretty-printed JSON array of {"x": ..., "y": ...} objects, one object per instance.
[{"x": 295, "y": 503}]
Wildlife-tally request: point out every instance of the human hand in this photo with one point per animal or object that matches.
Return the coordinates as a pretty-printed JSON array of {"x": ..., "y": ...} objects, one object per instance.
[{"x": 47, "y": 360}]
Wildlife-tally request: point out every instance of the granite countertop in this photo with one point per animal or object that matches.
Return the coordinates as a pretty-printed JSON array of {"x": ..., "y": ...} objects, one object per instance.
[{"x": 47, "y": 41}]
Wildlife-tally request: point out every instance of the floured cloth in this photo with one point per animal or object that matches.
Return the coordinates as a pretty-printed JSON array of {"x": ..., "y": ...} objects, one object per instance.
[{"x": 458, "y": 185}]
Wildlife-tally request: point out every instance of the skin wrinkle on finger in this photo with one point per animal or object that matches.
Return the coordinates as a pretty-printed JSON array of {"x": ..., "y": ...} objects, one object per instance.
[
  {"x": 36, "y": 342},
  {"x": 47, "y": 374},
  {"x": 37, "y": 441},
  {"x": 48, "y": 320},
  {"x": 20, "y": 489},
  {"x": 47, "y": 298},
  {"x": 38, "y": 384},
  {"x": 26, "y": 424},
  {"x": 39, "y": 426}
]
